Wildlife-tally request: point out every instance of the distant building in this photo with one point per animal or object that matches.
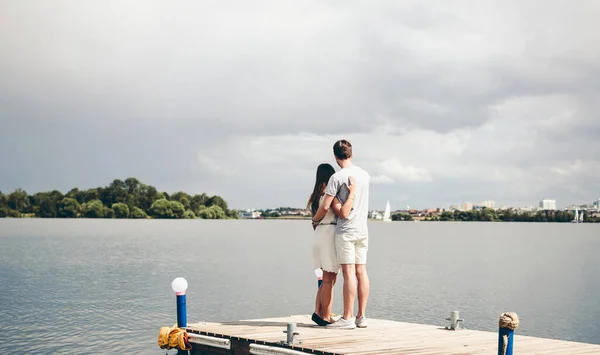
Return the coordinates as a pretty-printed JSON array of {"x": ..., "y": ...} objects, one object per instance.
[
  {"x": 487, "y": 204},
  {"x": 548, "y": 204},
  {"x": 467, "y": 206},
  {"x": 295, "y": 212},
  {"x": 376, "y": 215},
  {"x": 484, "y": 204},
  {"x": 250, "y": 214},
  {"x": 597, "y": 203},
  {"x": 525, "y": 209}
]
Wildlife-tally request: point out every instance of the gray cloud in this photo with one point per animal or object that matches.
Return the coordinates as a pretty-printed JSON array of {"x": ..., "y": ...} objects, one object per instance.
[{"x": 444, "y": 101}]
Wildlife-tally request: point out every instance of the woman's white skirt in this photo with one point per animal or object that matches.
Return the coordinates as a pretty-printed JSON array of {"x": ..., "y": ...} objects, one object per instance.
[{"x": 324, "y": 255}]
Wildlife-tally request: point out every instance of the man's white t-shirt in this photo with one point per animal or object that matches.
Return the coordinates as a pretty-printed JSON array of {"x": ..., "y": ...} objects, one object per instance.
[{"x": 356, "y": 223}]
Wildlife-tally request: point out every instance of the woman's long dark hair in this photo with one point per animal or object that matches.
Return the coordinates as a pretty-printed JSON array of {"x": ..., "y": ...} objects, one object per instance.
[{"x": 324, "y": 172}]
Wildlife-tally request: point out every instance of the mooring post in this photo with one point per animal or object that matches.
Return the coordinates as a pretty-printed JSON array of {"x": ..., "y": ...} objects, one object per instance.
[
  {"x": 319, "y": 275},
  {"x": 179, "y": 286},
  {"x": 509, "y": 321},
  {"x": 291, "y": 333},
  {"x": 454, "y": 321}
]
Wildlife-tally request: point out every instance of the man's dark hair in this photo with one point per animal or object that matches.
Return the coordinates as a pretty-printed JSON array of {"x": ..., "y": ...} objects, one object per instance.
[{"x": 342, "y": 149}]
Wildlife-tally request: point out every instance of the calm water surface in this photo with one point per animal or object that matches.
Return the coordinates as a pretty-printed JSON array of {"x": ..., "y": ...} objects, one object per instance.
[{"x": 103, "y": 286}]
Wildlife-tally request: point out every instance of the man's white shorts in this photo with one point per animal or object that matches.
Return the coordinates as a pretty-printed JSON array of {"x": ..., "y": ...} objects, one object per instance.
[{"x": 351, "y": 249}]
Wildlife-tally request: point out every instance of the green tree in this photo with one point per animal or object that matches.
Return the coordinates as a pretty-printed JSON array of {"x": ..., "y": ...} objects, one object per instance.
[
  {"x": 68, "y": 208},
  {"x": 148, "y": 195},
  {"x": 505, "y": 215},
  {"x": 401, "y": 216},
  {"x": 182, "y": 198},
  {"x": 19, "y": 201},
  {"x": 121, "y": 210},
  {"x": 121, "y": 199},
  {"x": 161, "y": 209},
  {"x": 488, "y": 214},
  {"x": 560, "y": 216},
  {"x": 197, "y": 201},
  {"x": 198, "y": 213},
  {"x": 108, "y": 212},
  {"x": 48, "y": 207},
  {"x": 138, "y": 213},
  {"x": 115, "y": 192},
  {"x": 177, "y": 208},
  {"x": 189, "y": 215},
  {"x": 462, "y": 216},
  {"x": 569, "y": 216},
  {"x": 36, "y": 200},
  {"x": 45, "y": 204},
  {"x": 524, "y": 217},
  {"x": 266, "y": 213},
  {"x": 93, "y": 209},
  {"x": 216, "y": 201},
  {"x": 134, "y": 191},
  {"x": 447, "y": 216},
  {"x": 456, "y": 215},
  {"x": 212, "y": 212},
  {"x": 77, "y": 195},
  {"x": 9, "y": 212},
  {"x": 540, "y": 216},
  {"x": 3, "y": 205},
  {"x": 91, "y": 194}
]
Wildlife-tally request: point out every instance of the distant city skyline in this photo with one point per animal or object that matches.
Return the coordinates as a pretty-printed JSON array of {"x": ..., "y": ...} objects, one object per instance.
[
  {"x": 543, "y": 203},
  {"x": 444, "y": 102}
]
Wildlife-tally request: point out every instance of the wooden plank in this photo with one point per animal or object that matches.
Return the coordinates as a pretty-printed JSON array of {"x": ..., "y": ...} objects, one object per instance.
[{"x": 383, "y": 337}]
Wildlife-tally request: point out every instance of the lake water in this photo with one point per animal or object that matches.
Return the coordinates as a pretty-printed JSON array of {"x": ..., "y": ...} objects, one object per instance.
[{"x": 104, "y": 286}]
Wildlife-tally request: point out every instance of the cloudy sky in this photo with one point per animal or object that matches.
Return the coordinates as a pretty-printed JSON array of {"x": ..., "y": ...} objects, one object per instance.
[{"x": 444, "y": 101}]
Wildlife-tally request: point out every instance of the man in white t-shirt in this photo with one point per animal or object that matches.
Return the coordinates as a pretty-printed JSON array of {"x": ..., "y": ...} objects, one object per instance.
[{"x": 351, "y": 234}]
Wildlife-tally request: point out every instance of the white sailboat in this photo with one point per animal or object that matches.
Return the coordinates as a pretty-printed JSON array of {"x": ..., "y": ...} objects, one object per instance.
[
  {"x": 576, "y": 219},
  {"x": 581, "y": 217},
  {"x": 387, "y": 213}
]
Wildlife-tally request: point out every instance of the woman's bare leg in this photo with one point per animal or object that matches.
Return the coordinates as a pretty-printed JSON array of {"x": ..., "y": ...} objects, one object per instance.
[
  {"x": 318, "y": 308},
  {"x": 329, "y": 279}
]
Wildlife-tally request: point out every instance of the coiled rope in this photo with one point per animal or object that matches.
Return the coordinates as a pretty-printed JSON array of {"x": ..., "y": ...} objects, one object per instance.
[
  {"x": 508, "y": 320},
  {"x": 173, "y": 337}
]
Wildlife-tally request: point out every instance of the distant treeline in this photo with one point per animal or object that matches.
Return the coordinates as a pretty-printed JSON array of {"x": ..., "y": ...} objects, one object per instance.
[
  {"x": 490, "y": 215},
  {"x": 121, "y": 199}
]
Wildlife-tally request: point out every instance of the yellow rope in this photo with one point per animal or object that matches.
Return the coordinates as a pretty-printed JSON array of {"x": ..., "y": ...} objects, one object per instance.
[
  {"x": 508, "y": 320},
  {"x": 173, "y": 337}
]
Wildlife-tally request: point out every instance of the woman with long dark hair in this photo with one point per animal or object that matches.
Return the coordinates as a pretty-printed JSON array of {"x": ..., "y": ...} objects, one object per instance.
[{"x": 324, "y": 255}]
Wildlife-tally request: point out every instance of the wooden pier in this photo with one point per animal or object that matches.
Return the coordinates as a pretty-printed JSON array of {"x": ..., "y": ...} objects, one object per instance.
[{"x": 382, "y": 337}]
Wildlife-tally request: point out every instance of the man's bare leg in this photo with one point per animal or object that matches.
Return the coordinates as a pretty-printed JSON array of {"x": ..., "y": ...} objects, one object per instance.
[
  {"x": 329, "y": 279},
  {"x": 363, "y": 288},
  {"x": 349, "y": 272}
]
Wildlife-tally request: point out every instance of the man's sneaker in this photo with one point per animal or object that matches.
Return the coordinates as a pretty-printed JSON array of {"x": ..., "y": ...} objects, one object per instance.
[
  {"x": 361, "y": 322},
  {"x": 343, "y": 324}
]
